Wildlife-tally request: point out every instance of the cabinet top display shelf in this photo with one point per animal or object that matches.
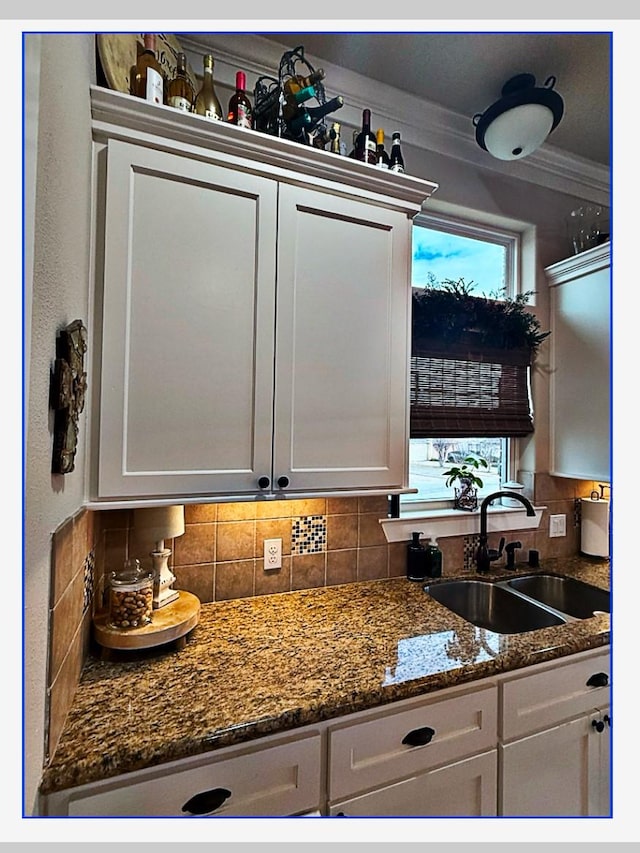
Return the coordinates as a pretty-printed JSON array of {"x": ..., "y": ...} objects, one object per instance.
[{"x": 120, "y": 116}]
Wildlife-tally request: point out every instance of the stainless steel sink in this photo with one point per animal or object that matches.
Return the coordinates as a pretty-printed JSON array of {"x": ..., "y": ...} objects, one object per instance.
[
  {"x": 487, "y": 605},
  {"x": 564, "y": 594}
]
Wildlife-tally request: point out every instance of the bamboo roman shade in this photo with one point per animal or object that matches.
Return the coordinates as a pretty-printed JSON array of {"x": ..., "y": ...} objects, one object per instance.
[{"x": 465, "y": 391}]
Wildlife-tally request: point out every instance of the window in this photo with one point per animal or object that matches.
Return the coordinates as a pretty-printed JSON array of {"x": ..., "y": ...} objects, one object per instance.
[{"x": 447, "y": 249}]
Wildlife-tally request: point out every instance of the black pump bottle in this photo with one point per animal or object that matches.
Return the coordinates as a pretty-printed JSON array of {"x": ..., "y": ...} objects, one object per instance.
[{"x": 416, "y": 559}]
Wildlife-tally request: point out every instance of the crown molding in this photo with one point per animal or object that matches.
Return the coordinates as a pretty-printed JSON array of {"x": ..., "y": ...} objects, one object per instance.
[{"x": 423, "y": 124}]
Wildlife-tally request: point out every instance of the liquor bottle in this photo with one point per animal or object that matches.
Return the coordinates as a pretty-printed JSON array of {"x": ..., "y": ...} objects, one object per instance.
[
  {"x": 334, "y": 137},
  {"x": 240, "y": 111},
  {"x": 382, "y": 158},
  {"x": 147, "y": 78},
  {"x": 206, "y": 103},
  {"x": 396, "y": 160},
  {"x": 365, "y": 147},
  {"x": 180, "y": 91}
]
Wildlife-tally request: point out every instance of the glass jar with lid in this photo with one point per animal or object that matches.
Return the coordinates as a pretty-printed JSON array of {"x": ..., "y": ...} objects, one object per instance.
[{"x": 130, "y": 596}]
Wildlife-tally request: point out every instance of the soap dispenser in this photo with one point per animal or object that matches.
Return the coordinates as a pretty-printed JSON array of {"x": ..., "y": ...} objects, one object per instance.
[
  {"x": 434, "y": 559},
  {"x": 416, "y": 559}
]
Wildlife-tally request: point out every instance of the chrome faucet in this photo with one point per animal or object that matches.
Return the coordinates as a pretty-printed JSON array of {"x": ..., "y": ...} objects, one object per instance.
[{"x": 485, "y": 556}]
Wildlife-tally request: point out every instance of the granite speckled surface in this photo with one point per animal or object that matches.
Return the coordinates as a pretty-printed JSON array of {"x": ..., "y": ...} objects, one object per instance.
[{"x": 262, "y": 665}]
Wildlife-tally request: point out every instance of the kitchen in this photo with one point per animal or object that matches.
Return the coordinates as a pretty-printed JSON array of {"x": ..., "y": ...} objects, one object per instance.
[{"x": 64, "y": 223}]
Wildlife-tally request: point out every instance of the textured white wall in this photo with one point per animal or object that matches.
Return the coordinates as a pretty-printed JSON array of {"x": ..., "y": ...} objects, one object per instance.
[{"x": 59, "y": 292}]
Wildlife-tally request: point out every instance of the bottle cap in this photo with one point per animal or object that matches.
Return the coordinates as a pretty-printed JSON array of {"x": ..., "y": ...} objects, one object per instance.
[
  {"x": 241, "y": 81},
  {"x": 380, "y": 136}
]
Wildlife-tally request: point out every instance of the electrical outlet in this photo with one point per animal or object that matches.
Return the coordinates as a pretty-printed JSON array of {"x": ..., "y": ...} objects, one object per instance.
[
  {"x": 557, "y": 525},
  {"x": 272, "y": 554}
]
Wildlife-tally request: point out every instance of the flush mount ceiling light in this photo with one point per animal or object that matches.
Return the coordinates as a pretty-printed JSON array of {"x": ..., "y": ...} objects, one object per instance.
[{"x": 521, "y": 120}]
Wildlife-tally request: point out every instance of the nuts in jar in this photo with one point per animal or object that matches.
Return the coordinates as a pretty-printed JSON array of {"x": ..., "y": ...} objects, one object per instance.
[{"x": 130, "y": 597}]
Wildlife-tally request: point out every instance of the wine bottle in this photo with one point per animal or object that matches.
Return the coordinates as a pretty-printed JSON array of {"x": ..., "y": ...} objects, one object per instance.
[
  {"x": 382, "y": 158},
  {"x": 147, "y": 78},
  {"x": 309, "y": 117},
  {"x": 296, "y": 84},
  {"x": 206, "y": 103},
  {"x": 240, "y": 111},
  {"x": 396, "y": 160},
  {"x": 180, "y": 91},
  {"x": 298, "y": 89},
  {"x": 365, "y": 147}
]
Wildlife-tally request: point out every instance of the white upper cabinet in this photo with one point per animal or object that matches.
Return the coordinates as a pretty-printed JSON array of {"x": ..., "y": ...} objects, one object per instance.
[
  {"x": 252, "y": 312},
  {"x": 580, "y": 289}
]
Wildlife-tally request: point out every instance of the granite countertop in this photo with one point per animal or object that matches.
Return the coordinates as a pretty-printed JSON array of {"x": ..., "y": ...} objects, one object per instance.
[{"x": 262, "y": 665}]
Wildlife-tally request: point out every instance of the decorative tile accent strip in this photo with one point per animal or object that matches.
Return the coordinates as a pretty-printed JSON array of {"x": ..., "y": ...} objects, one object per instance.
[
  {"x": 470, "y": 547},
  {"x": 308, "y": 534},
  {"x": 89, "y": 566}
]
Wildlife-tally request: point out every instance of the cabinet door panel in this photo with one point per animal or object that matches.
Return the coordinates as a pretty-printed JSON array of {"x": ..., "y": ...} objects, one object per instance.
[
  {"x": 580, "y": 376},
  {"x": 189, "y": 276},
  {"x": 547, "y": 774},
  {"x": 464, "y": 789},
  {"x": 342, "y": 342}
]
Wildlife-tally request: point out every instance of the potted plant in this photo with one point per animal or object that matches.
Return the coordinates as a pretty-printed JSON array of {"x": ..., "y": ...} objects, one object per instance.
[{"x": 466, "y": 495}]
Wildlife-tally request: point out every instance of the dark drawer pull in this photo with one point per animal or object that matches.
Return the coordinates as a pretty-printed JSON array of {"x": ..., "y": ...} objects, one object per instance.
[
  {"x": 598, "y": 679},
  {"x": 207, "y": 801},
  {"x": 419, "y": 737},
  {"x": 264, "y": 482},
  {"x": 599, "y": 725},
  {"x": 283, "y": 482}
]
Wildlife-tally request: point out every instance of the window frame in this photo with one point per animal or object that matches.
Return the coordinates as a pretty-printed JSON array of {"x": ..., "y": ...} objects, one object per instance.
[{"x": 511, "y": 240}]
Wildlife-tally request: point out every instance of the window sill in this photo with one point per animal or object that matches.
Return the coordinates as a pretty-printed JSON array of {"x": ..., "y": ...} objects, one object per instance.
[{"x": 440, "y": 523}]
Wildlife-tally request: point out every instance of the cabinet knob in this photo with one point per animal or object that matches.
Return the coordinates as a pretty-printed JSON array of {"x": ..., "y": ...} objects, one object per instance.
[
  {"x": 206, "y": 801},
  {"x": 419, "y": 737},
  {"x": 598, "y": 725},
  {"x": 264, "y": 482},
  {"x": 283, "y": 482},
  {"x": 598, "y": 679}
]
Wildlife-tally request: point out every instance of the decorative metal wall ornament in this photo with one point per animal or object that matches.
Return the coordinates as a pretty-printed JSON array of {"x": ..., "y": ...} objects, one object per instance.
[{"x": 67, "y": 393}]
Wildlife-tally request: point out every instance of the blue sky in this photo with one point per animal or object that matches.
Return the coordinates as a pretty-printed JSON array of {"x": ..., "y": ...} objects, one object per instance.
[{"x": 449, "y": 256}]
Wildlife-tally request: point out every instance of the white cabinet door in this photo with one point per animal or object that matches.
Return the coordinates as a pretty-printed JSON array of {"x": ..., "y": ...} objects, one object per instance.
[
  {"x": 600, "y": 764},
  {"x": 342, "y": 342},
  {"x": 555, "y": 773},
  {"x": 188, "y": 326},
  {"x": 464, "y": 789},
  {"x": 580, "y": 365}
]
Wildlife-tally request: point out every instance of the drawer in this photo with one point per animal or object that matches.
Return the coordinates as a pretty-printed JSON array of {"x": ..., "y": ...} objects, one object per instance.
[
  {"x": 536, "y": 701},
  {"x": 369, "y": 754},
  {"x": 279, "y": 780}
]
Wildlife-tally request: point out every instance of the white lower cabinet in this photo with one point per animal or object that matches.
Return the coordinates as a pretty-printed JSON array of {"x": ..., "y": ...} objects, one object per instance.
[
  {"x": 554, "y": 755},
  {"x": 437, "y": 758},
  {"x": 279, "y": 779}
]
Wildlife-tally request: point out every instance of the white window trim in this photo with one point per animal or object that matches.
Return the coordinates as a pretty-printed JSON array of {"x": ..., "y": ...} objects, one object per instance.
[{"x": 438, "y": 512}]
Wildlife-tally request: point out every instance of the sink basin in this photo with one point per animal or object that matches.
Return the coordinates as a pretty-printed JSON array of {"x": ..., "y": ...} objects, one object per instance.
[
  {"x": 568, "y": 595},
  {"x": 487, "y": 605}
]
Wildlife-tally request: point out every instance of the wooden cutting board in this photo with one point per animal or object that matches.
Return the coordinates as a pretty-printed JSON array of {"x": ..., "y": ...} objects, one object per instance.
[{"x": 118, "y": 52}]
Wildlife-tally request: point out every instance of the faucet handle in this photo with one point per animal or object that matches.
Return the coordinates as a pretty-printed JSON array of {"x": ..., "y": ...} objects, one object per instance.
[
  {"x": 495, "y": 555},
  {"x": 511, "y": 549}
]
